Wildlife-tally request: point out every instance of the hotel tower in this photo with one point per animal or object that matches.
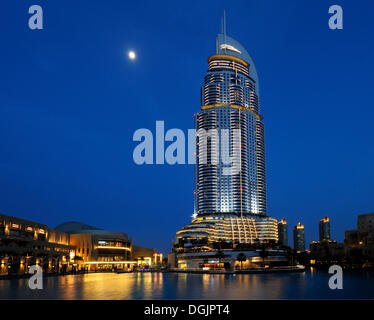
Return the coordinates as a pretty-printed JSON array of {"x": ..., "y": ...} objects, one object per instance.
[{"x": 230, "y": 207}]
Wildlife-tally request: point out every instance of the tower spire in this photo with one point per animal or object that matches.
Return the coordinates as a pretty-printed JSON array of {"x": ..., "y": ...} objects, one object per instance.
[
  {"x": 223, "y": 30},
  {"x": 223, "y": 23}
]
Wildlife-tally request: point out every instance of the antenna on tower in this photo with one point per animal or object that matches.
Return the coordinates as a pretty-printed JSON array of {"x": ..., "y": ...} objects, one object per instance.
[{"x": 223, "y": 30}]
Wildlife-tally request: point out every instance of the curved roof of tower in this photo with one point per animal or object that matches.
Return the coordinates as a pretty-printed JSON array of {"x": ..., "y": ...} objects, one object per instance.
[
  {"x": 229, "y": 46},
  {"x": 79, "y": 227}
]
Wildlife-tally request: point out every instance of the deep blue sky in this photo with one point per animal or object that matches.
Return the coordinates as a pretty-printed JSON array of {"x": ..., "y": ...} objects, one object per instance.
[{"x": 70, "y": 101}]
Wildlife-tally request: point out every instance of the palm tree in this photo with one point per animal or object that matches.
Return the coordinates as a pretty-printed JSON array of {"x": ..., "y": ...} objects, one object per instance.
[
  {"x": 263, "y": 254},
  {"x": 241, "y": 258},
  {"x": 219, "y": 255}
]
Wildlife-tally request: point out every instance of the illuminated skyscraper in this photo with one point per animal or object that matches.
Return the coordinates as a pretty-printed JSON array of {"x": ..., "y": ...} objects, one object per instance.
[
  {"x": 230, "y": 100},
  {"x": 299, "y": 237},
  {"x": 230, "y": 206},
  {"x": 283, "y": 232},
  {"x": 324, "y": 229}
]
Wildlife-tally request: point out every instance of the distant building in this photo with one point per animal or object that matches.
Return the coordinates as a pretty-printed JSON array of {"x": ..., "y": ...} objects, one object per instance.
[
  {"x": 146, "y": 255},
  {"x": 299, "y": 237},
  {"x": 364, "y": 234},
  {"x": 283, "y": 232},
  {"x": 324, "y": 229},
  {"x": 351, "y": 238},
  {"x": 359, "y": 243},
  {"x": 326, "y": 251},
  {"x": 365, "y": 228}
]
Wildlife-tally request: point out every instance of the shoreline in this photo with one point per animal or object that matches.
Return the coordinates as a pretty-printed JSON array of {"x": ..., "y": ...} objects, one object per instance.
[
  {"x": 27, "y": 276},
  {"x": 289, "y": 269}
]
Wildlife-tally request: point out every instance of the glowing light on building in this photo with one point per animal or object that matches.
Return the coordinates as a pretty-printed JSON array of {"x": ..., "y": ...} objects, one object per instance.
[{"x": 230, "y": 207}]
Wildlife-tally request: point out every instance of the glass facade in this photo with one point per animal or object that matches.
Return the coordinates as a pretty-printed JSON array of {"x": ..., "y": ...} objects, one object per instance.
[
  {"x": 299, "y": 237},
  {"x": 324, "y": 229},
  {"x": 230, "y": 100},
  {"x": 283, "y": 232},
  {"x": 229, "y": 205}
]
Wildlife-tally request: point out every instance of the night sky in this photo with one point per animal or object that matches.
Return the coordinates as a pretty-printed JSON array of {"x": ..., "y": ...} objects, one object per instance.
[{"x": 70, "y": 101}]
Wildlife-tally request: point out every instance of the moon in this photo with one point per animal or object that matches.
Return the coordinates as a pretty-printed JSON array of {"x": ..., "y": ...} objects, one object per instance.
[{"x": 132, "y": 55}]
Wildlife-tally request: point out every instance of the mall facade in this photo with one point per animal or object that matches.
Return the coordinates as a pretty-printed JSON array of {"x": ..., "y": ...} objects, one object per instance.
[
  {"x": 24, "y": 243},
  {"x": 70, "y": 247}
]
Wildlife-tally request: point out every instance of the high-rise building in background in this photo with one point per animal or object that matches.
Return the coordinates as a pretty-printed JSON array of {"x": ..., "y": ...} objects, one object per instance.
[
  {"x": 324, "y": 229},
  {"x": 299, "y": 237},
  {"x": 360, "y": 242},
  {"x": 283, "y": 232},
  {"x": 365, "y": 228},
  {"x": 351, "y": 237},
  {"x": 364, "y": 234},
  {"x": 230, "y": 207}
]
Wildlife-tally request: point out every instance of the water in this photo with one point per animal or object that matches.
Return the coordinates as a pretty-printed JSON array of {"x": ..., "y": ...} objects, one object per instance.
[{"x": 308, "y": 285}]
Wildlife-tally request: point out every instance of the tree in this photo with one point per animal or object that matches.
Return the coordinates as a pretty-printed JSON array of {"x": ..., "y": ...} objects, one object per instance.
[
  {"x": 219, "y": 255},
  {"x": 226, "y": 265},
  {"x": 263, "y": 254},
  {"x": 241, "y": 258},
  {"x": 291, "y": 254}
]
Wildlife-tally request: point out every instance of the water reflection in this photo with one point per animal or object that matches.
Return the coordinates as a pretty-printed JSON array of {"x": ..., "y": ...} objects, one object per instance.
[{"x": 309, "y": 285}]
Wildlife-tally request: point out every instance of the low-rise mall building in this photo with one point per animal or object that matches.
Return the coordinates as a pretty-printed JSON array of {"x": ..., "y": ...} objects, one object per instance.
[
  {"x": 98, "y": 249},
  {"x": 70, "y": 247},
  {"x": 24, "y": 243}
]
